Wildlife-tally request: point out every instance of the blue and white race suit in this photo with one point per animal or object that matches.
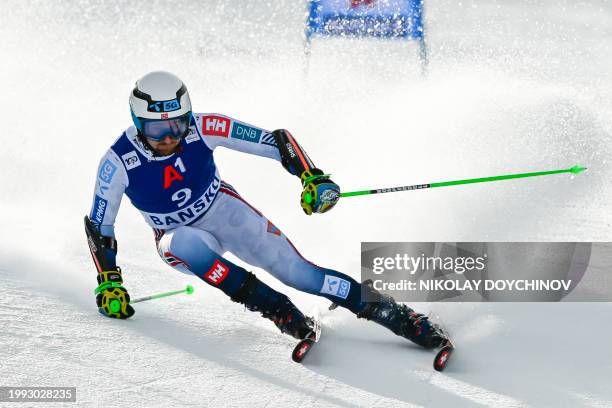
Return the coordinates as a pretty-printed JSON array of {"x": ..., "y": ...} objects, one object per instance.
[{"x": 197, "y": 217}]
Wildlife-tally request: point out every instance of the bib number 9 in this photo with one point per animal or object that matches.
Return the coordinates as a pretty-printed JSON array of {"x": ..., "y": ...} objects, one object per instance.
[{"x": 182, "y": 196}]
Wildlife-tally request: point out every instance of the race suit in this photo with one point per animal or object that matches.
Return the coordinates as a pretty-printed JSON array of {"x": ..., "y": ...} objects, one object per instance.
[{"x": 196, "y": 217}]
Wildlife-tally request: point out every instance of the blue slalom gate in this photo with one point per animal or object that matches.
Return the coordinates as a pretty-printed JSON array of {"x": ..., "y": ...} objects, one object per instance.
[{"x": 391, "y": 19}]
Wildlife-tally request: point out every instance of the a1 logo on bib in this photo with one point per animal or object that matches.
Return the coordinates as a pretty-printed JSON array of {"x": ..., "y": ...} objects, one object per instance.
[{"x": 171, "y": 174}]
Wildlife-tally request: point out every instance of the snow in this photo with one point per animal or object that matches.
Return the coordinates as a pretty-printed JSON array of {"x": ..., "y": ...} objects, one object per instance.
[{"x": 514, "y": 86}]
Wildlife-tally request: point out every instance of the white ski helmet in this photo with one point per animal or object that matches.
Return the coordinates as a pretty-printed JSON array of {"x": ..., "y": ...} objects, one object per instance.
[{"x": 160, "y": 106}]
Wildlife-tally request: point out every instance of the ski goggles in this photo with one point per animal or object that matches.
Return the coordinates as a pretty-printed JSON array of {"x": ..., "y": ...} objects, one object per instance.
[{"x": 158, "y": 129}]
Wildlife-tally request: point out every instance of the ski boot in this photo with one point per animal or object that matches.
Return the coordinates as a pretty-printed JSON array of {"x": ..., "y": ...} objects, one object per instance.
[
  {"x": 294, "y": 322},
  {"x": 401, "y": 319},
  {"x": 273, "y": 305}
]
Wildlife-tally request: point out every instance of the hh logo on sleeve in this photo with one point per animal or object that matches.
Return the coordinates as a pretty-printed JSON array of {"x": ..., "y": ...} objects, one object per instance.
[
  {"x": 217, "y": 273},
  {"x": 213, "y": 125},
  {"x": 332, "y": 285}
]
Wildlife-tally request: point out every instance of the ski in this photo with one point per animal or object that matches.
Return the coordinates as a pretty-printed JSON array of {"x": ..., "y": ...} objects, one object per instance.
[
  {"x": 445, "y": 350},
  {"x": 303, "y": 347},
  {"x": 444, "y": 354}
]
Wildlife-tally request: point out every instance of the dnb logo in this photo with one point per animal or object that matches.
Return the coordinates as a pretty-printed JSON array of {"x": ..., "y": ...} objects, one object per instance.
[
  {"x": 332, "y": 285},
  {"x": 217, "y": 273},
  {"x": 213, "y": 125},
  {"x": 246, "y": 133}
]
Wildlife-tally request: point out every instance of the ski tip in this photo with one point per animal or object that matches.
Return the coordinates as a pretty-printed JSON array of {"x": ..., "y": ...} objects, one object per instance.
[
  {"x": 300, "y": 351},
  {"x": 442, "y": 358}
]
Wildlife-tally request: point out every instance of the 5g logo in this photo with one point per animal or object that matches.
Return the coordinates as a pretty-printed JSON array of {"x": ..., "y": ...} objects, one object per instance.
[
  {"x": 172, "y": 105},
  {"x": 165, "y": 106}
]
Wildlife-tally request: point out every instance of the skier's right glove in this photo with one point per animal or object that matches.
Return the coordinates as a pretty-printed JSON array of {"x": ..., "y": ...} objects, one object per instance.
[
  {"x": 320, "y": 194},
  {"x": 111, "y": 297}
]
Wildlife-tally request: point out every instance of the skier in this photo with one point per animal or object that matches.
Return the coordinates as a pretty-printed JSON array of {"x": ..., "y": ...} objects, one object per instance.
[{"x": 164, "y": 164}]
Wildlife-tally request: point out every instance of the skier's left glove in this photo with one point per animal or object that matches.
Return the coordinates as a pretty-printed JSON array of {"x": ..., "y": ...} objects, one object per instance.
[
  {"x": 111, "y": 297},
  {"x": 320, "y": 194}
]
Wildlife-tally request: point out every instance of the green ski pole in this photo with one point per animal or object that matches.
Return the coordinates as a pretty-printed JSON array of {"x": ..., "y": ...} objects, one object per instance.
[
  {"x": 576, "y": 169},
  {"x": 188, "y": 290}
]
